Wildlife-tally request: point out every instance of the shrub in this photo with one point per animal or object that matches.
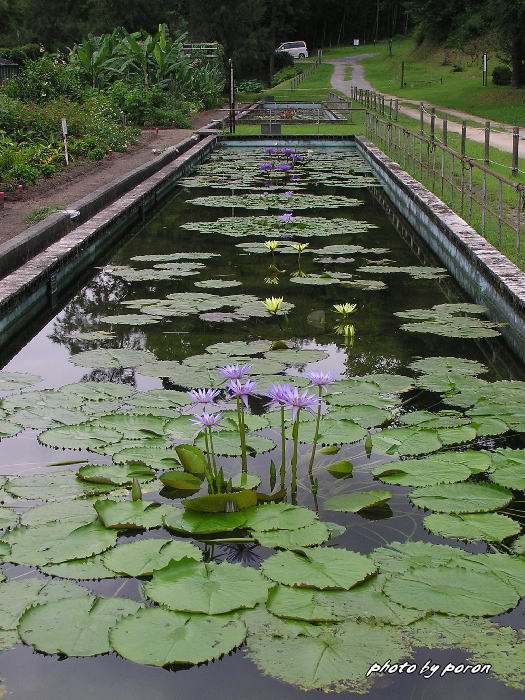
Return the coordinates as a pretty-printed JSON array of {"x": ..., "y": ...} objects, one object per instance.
[
  {"x": 153, "y": 107},
  {"x": 44, "y": 80},
  {"x": 282, "y": 60},
  {"x": 286, "y": 74},
  {"x": 21, "y": 54},
  {"x": 501, "y": 75},
  {"x": 252, "y": 85}
]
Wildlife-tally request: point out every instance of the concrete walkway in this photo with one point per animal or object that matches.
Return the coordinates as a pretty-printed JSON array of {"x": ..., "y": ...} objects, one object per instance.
[{"x": 501, "y": 139}]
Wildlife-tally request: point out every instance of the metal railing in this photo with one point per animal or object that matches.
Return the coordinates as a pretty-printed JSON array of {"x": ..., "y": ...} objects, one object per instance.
[{"x": 492, "y": 203}]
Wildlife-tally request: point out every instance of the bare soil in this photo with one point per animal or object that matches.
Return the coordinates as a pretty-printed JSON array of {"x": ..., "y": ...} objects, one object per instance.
[{"x": 87, "y": 176}]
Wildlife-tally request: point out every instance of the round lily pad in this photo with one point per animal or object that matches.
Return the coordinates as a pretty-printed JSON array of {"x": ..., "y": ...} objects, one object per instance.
[
  {"x": 319, "y": 567},
  {"x": 461, "y": 498},
  {"x": 160, "y": 637},
  {"x": 209, "y": 588},
  {"x": 490, "y": 527},
  {"x": 75, "y": 627},
  {"x": 57, "y": 542},
  {"x": 354, "y": 502},
  {"x": 143, "y": 557},
  {"x": 455, "y": 591}
]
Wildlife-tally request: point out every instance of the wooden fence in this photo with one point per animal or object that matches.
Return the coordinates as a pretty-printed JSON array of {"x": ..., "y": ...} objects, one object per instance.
[{"x": 491, "y": 202}]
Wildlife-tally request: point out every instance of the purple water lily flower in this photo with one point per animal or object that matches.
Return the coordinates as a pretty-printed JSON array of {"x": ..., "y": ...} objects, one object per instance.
[
  {"x": 271, "y": 149},
  {"x": 207, "y": 420},
  {"x": 266, "y": 166},
  {"x": 288, "y": 194},
  {"x": 288, "y": 151},
  {"x": 242, "y": 391},
  {"x": 278, "y": 395},
  {"x": 234, "y": 371},
  {"x": 283, "y": 166},
  {"x": 203, "y": 396},
  {"x": 321, "y": 379},
  {"x": 287, "y": 218},
  {"x": 297, "y": 400}
]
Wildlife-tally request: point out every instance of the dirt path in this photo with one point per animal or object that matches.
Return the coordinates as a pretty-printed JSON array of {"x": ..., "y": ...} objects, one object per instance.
[
  {"x": 501, "y": 139},
  {"x": 78, "y": 181}
]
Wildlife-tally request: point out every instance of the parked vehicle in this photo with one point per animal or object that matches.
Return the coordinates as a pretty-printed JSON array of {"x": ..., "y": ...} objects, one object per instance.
[{"x": 297, "y": 49}]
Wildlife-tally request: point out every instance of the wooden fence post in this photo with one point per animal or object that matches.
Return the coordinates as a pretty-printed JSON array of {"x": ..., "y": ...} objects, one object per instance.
[
  {"x": 486, "y": 156},
  {"x": 515, "y": 149},
  {"x": 463, "y": 137}
]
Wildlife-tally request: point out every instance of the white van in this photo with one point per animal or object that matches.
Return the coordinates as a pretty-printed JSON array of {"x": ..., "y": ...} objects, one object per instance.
[{"x": 297, "y": 49}]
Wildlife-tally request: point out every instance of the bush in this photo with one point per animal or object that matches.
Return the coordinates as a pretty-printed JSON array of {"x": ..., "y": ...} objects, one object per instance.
[
  {"x": 286, "y": 74},
  {"x": 153, "y": 107},
  {"x": 501, "y": 75},
  {"x": 252, "y": 85},
  {"x": 45, "y": 80},
  {"x": 21, "y": 54},
  {"x": 282, "y": 60}
]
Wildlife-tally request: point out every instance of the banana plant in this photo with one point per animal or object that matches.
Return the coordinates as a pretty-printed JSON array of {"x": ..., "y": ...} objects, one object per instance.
[{"x": 95, "y": 57}]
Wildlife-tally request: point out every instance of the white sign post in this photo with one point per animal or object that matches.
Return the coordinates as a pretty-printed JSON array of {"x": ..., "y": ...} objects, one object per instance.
[
  {"x": 356, "y": 42},
  {"x": 64, "y": 133}
]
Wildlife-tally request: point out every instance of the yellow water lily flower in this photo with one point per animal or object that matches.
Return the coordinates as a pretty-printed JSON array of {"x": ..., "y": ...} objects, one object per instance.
[
  {"x": 273, "y": 304},
  {"x": 299, "y": 247},
  {"x": 271, "y": 245},
  {"x": 345, "y": 309}
]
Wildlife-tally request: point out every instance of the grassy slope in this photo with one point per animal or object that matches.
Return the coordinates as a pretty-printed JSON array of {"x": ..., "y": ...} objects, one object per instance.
[{"x": 459, "y": 90}]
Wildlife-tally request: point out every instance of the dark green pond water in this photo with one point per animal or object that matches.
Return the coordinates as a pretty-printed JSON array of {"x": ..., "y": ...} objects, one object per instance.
[{"x": 379, "y": 346}]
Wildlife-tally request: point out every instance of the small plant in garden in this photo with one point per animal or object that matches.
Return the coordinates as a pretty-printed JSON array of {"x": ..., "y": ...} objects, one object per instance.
[{"x": 41, "y": 213}]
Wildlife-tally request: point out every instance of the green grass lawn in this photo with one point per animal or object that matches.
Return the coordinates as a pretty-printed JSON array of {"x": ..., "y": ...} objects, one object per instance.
[{"x": 459, "y": 90}]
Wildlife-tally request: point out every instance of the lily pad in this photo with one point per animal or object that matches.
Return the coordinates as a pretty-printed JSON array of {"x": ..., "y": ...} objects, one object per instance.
[
  {"x": 319, "y": 567},
  {"x": 463, "y": 592},
  {"x": 227, "y": 443},
  {"x": 154, "y": 457},
  {"x": 75, "y": 627},
  {"x": 307, "y": 536},
  {"x": 461, "y": 498},
  {"x": 84, "y": 436},
  {"x": 12, "y": 381},
  {"x": 89, "y": 568},
  {"x": 19, "y": 594},
  {"x": 130, "y": 514},
  {"x": 198, "y": 523},
  {"x": 143, "y": 557},
  {"x": 338, "y": 657},
  {"x": 53, "y": 486},
  {"x": 278, "y": 516},
  {"x": 354, "y": 502},
  {"x": 210, "y": 588},
  {"x": 491, "y": 527},
  {"x": 112, "y": 357},
  {"x": 509, "y": 468},
  {"x": 57, "y": 542},
  {"x": 160, "y": 637},
  {"x": 8, "y": 518},
  {"x": 442, "y": 468},
  {"x": 117, "y": 474}
]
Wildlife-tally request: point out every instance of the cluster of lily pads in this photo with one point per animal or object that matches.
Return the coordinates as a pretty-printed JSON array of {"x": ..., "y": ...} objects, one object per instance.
[{"x": 199, "y": 476}]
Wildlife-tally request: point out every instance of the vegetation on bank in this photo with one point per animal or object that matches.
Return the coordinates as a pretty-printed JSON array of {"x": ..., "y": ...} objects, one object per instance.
[{"x": 105, "y": 88}]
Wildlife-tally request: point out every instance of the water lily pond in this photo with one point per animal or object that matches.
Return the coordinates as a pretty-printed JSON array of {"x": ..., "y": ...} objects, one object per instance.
[{"x": 266, "y": 444}]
